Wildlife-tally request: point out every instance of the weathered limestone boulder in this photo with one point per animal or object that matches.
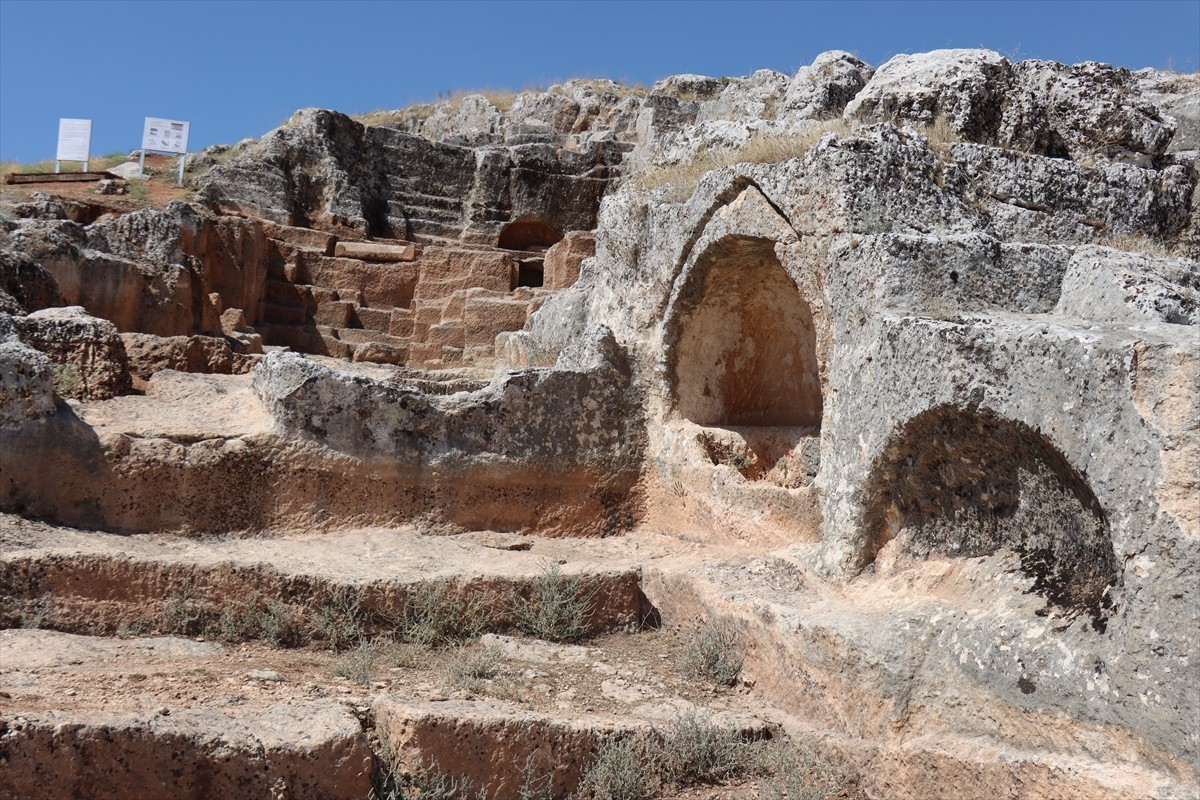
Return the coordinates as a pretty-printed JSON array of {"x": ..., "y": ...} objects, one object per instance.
[
  {"x": 88, "y": 357},
  {"x": 758, "y": 96},
  {"x": 964, "y": 87},
  {"x": 607, "y": 111},
  {"x": 242, "y": 338},
  {"x": 26, "y": 383},
  {"x": 1082, "y": 112},
  {"x": 222, "y": 255},
  {"x": 541, "y": 117},
  {"x": 1176, "y": 96},
  {"x": 570, "y": 431},
  {"x": 153, "y": 271},
  {"x": 1087, "y": 111},
  {"x": 132, "y": 294},
  {"x": 380, "y": 353},
  {"x": 475, "y": 121},
  {"x": 1107, "y": 285},
  {"x": 822, "y": 89}
]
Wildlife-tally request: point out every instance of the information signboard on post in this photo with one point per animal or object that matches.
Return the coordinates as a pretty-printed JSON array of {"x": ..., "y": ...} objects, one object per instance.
[
  {"x": 74, "y": 142},
  {"x": 165, "y": 136}
]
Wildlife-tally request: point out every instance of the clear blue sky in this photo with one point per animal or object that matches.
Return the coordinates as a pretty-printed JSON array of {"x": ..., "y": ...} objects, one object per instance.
[{"x": 237, "y": 69}]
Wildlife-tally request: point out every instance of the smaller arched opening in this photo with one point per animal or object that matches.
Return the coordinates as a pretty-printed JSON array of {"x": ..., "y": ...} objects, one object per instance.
[
  {"x": 958, "y": 483},
  {"x": 531, "y": 237},
  {"x": 528, "y": 235}
]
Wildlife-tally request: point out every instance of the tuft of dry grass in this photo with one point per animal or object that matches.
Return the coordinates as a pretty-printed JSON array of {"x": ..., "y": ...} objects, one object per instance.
[
  {"x": 1136, "y": 243},
  {"x": 760, "y": 149},
  {"x": 96, "y": 164},
  {"x": 502, "y": 98}
]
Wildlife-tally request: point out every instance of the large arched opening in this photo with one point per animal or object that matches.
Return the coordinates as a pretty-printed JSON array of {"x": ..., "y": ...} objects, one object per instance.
[
  {"x": 746, "y": 352},
  {"x": 959, "y": 483}
]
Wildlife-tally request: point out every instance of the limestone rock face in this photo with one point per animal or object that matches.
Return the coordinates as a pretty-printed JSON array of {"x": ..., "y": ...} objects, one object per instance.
[
  {"x": 88, "y": 356},
  {"x": 473, "y": 123},
  {"x": 966, "y": 87},
  {"x": 25, "y": 285},
  {"x": 153, "y": 271},
  {"x": 565, "y": 259},
  {"x": 323, "y": 169},
  {"x": 1079, "y": 112},
  {"x": 149, "y": 354},
  {"x": 1177, "y": 97},
  {"x": 535, "y": 417}
]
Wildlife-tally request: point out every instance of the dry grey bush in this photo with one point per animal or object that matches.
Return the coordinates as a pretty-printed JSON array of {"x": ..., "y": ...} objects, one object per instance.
[
  {"x": 619, "y": 772},
  {"x": 435, "y": 616},
  {"x": 713, "y": 653},
  {"x": 557, "y": 608},
  {"x": 696, "y": 751}
]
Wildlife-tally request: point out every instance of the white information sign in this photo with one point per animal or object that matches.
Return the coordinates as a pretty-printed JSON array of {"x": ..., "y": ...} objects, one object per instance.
[
  {"x": 74, "y": 140},
  {"x": 165, "y": 135}
]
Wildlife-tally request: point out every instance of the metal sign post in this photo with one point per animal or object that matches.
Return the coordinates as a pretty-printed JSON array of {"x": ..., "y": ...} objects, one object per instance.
[
  {"x": 165, "y": 136},
  {"x": 74, "y": 142}
]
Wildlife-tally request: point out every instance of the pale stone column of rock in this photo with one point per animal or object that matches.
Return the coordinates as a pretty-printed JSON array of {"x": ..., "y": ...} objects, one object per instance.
[{"x": 26, "y": 384}]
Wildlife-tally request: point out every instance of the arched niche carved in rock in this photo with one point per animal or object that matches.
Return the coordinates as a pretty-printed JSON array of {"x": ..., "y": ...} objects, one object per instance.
[
  {"x": 746, "y": 352},
  {"x": 958, "y": 483},
  {"x": 529, "y": 235}
]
